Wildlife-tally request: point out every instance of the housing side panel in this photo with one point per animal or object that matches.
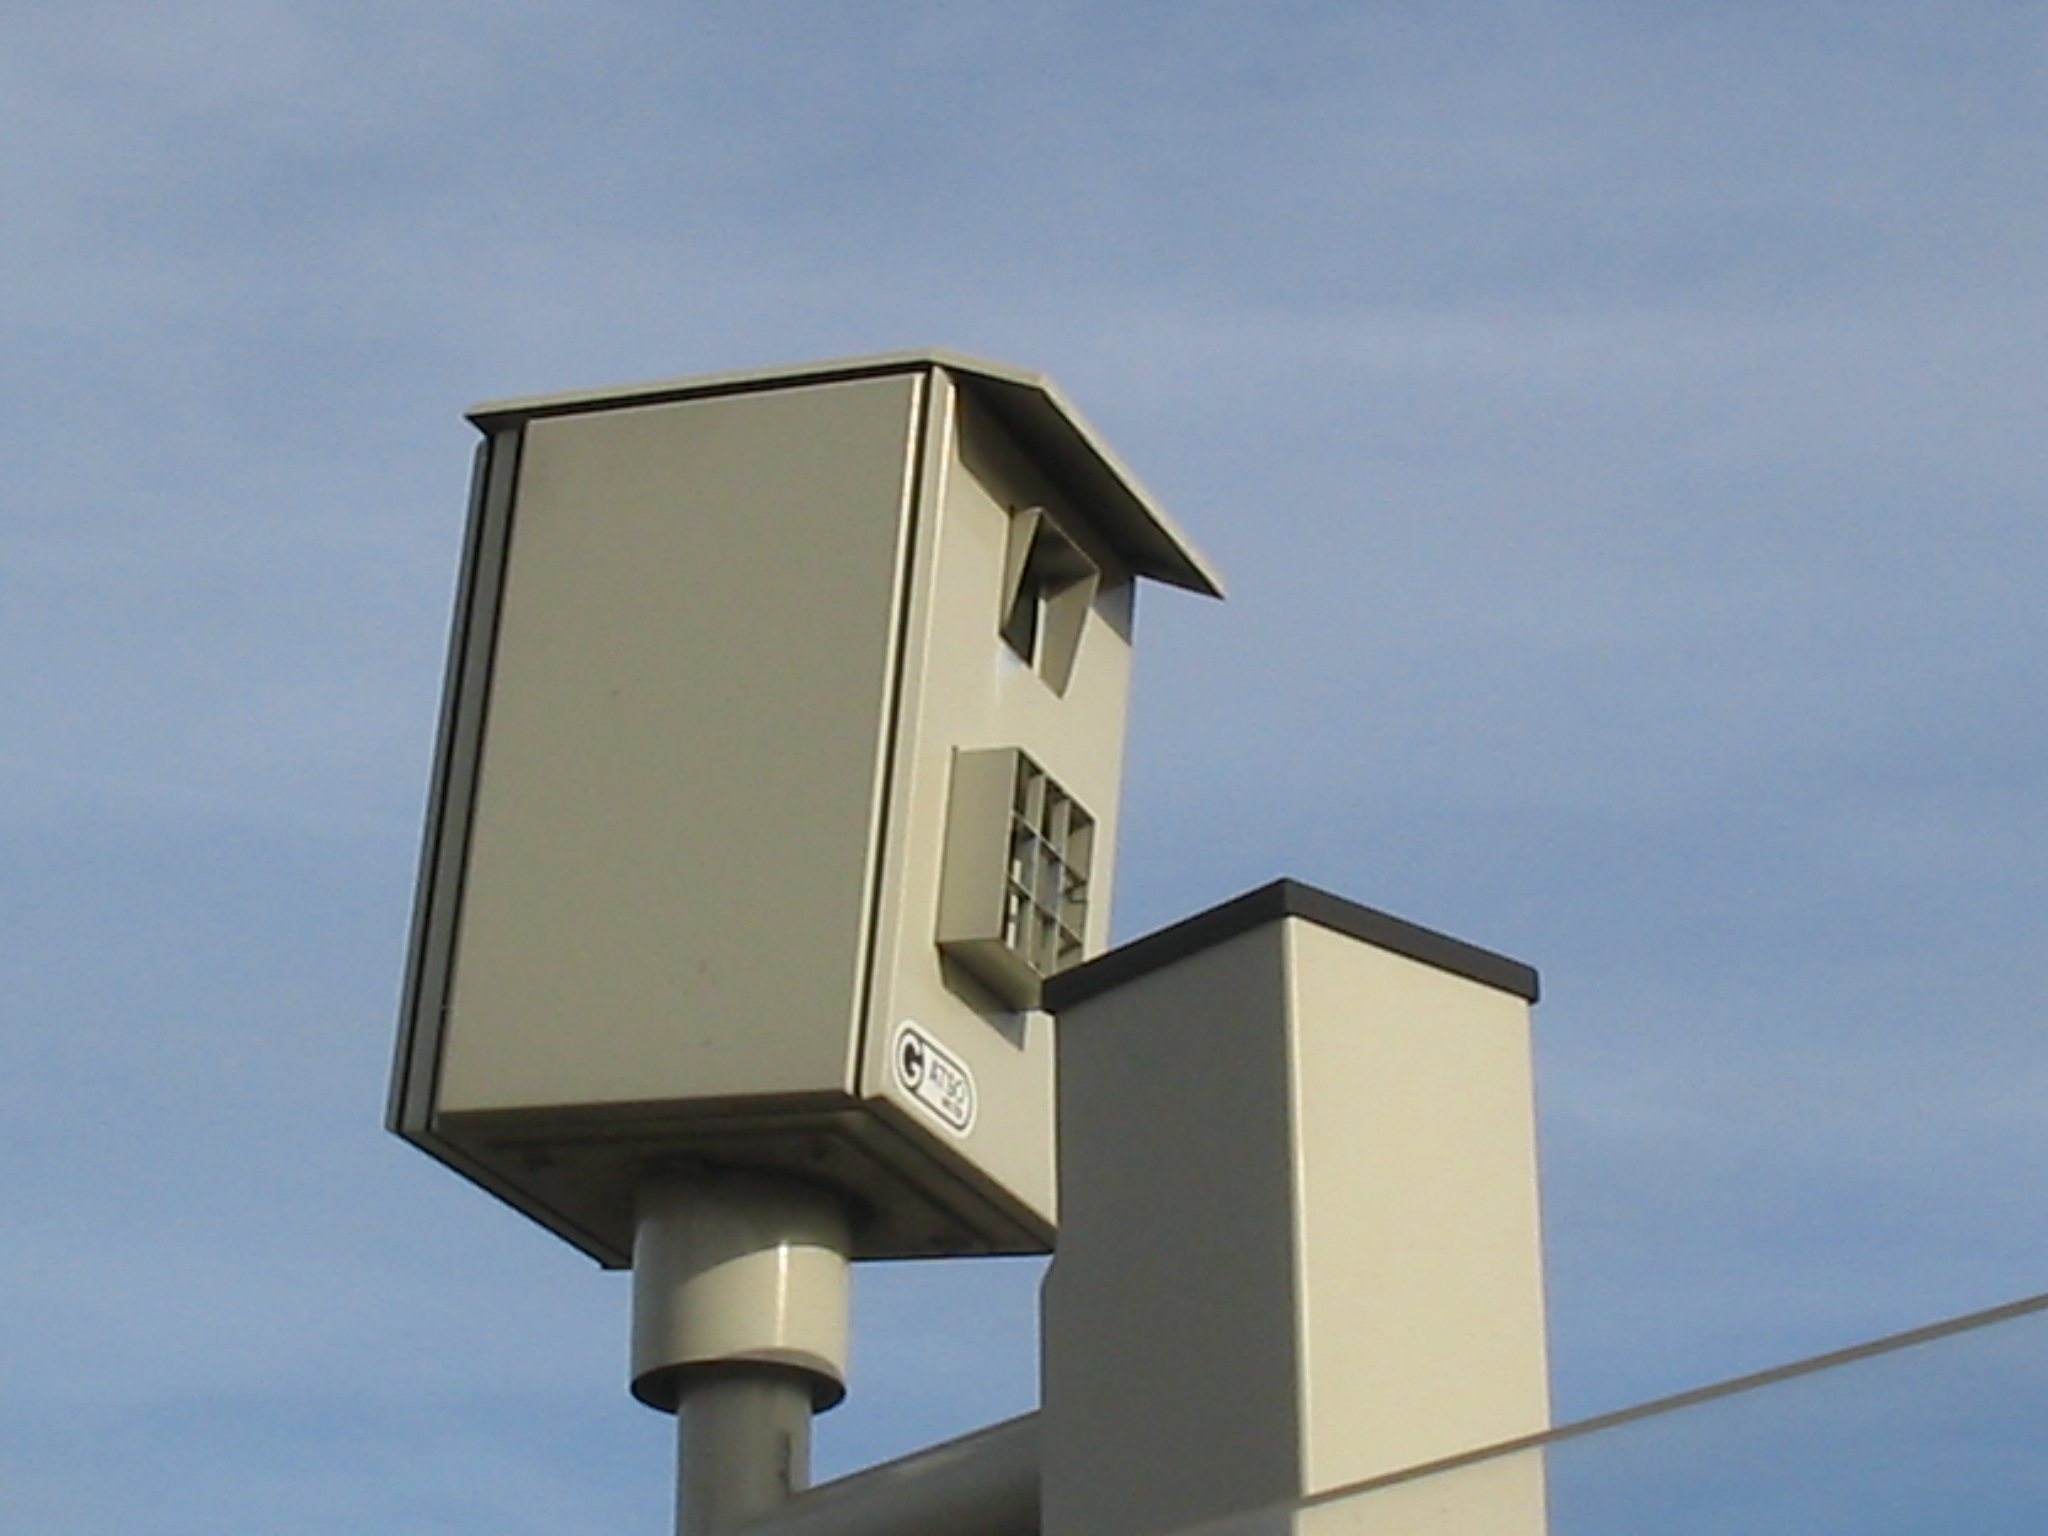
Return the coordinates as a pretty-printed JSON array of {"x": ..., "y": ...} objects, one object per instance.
[
  {"x": 445, "y": 847},
  {"x": 1419, "y": 1253},
  {"x": 945, "y": 1057},
  {"x": 669, "y": 861}
]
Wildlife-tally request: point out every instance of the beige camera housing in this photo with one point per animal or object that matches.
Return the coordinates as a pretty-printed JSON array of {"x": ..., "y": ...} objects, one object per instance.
[{"x": 779, "y": 764}]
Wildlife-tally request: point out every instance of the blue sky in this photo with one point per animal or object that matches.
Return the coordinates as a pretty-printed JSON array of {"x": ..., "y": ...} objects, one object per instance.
[{"x": 1622, "y": 429}]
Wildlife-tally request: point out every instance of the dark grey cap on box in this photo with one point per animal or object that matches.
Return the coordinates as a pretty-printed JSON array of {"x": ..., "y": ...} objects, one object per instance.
[{"x": 1269, "y": 904}]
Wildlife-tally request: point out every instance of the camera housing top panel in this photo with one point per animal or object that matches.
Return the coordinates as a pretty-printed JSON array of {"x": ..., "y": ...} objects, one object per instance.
[{"x": 779, "y": 764}]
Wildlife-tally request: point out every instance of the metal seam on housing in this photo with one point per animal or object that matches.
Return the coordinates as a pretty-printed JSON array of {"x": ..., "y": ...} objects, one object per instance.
[{"x": 907, "y": 556}]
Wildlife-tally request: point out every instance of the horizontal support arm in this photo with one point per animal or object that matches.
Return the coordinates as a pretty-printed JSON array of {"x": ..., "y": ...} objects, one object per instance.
[{"x": 982, "y": 1484}]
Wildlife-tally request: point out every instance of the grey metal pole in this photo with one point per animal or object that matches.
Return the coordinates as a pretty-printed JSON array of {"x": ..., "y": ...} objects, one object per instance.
[
  {"x": 744, "y": 1447},
  {"x": 739, "y": 1328}
]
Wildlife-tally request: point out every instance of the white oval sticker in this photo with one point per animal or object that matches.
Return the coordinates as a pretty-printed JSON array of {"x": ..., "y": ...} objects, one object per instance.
[{"x": 934, "y": 1077}]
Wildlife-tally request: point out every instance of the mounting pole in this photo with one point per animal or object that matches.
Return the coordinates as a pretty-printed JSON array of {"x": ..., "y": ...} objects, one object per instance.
[
  {"x": 743, "y": 1447},
  {"x": 739, "y": 1329}
]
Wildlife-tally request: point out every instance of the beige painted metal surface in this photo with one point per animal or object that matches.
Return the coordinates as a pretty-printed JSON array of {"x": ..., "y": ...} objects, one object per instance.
[
  {"x": 738, "y": 1270},
  {"x": 719, "y": 645},
  {"x": 683, "y": 751},
  {"x": 1415, "y": 1205},
  {"x": 983, "y": 1484},
  {"x": 1500, "y": 1497},
  {"x": 1299, "y": 1242}
]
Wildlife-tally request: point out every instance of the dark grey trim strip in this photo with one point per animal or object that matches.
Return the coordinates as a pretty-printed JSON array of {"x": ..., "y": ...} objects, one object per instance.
[{"x": 1269, "y": 904}]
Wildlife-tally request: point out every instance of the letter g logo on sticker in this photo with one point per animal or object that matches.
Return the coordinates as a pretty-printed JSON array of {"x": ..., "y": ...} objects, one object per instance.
[{"x": 936, "y": 1079}]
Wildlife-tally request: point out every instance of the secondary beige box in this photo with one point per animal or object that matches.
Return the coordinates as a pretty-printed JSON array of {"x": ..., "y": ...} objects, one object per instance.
[
  {"x": 1300, "y": 1245},
  {"x": 779, "y": 765}
]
